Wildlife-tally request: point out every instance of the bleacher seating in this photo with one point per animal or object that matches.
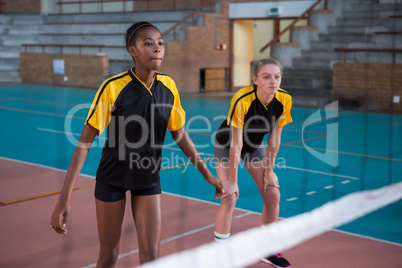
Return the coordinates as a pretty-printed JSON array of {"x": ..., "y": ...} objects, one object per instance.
[
  {"x": 107, "y": 29},
  {"x": 308, "y": 78},
  {"x": 366, "y": 24}
]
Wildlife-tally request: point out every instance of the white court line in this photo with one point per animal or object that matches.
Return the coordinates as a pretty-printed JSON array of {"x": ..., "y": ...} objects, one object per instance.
[
  {"x": 299, "y": 228},
  {"x": 42, "y": 166},
  {"x": 319, "y": 172},
  {"x": 314, "y": 192},
  {"x": 39, "y": 112},
  {"x": 369, "y": 238},
  {"x": 63, "y": 132},
  {"x": 203, "y": 201},
  {"x": 177, "y": 149},
  {"x": 103, "y": 138},
  {"x": 174, "y": 238}
]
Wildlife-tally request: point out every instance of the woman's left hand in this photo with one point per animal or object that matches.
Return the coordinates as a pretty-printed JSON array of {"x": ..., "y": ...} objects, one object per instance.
[
  {"x": 270, "y": 179},
  {"x": 220, "y": 191}
]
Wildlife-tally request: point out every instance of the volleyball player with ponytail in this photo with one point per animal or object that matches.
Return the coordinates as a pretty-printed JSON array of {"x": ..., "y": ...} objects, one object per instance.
[{"x": 254, "y": 112}]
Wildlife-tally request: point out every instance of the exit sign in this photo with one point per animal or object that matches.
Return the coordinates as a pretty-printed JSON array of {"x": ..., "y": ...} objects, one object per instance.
[{"x": 274, "y": 11}]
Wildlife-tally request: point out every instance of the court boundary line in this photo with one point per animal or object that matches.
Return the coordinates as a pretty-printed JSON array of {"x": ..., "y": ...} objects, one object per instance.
[
  {"x": 41, "y": 195},
  {"x": 307, "y": 139},
  {"x": 38, "y": 101},
  {"x": 171, "y": 167},
  {"x": 38, "y": 112},
  {"x": 200, "y": 200},
  {"x": 43, "y": 166},
  {"x": 370, "y": 238},
  {"x": 75, "y": 188},
  {"x": 348, "y": 153},
  {"x": 319, "y": 172},
  {"x": 170, "y": 239},
  {"x": 287, "y": 144},
  {"x": 347, "y": 112},
  {"x": 259, "y": 213}
]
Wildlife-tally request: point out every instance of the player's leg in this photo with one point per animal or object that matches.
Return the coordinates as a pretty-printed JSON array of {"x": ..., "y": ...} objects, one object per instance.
[
  {"x": 270, "y": 210},
  {"x": 147, "y": 213},
  {"x": 110, "y": 217},
  {"x": 223, "y": 219},
  {"x": 110, "y": 206},
  {"x": 271, "y": 196}
]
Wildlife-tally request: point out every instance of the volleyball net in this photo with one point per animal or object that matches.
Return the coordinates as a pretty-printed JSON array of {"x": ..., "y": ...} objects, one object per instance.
[{"x": 248, "y": 247}]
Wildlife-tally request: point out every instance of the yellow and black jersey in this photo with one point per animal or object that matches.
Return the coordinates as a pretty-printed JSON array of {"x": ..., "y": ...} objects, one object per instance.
[
  {"x": 136, "y": 119},
  {"x": 256, "y": 119}
]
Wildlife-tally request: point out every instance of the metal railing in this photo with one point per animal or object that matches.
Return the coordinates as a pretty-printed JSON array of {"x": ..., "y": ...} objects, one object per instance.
[
  {"x": 388, "y": 50},
  {"x": 307, "y": 14},
  {"x": 79, "y": 46},
  {"x": 191, "y": 15},
  {"x": 80, "y": 4}
]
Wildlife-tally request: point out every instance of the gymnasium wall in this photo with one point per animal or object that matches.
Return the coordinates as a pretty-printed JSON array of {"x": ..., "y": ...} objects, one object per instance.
[
  {"x": 376, "y": 86},
  {"x": 184, "y": 59},
  {"x": 80, "y": 70},
  {"x": 32, "y": 6}
]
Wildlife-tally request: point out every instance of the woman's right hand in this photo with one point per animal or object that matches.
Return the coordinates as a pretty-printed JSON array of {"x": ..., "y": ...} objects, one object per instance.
[
  {"x": 61, "y": 211},
  {"x": 59, "y": 217}
]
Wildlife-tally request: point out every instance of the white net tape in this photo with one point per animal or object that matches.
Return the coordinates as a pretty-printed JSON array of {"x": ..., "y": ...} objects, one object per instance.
[{"x": 249, "y": 246}]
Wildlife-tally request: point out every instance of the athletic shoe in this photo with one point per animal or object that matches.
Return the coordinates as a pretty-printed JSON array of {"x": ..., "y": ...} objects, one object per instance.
[{"x": 277, "y": 261}]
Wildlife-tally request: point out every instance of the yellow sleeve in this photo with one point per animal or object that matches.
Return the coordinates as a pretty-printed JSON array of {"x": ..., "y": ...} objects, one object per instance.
[
  {"x": 100, "y": 112},
  {"x": 286, "y": 116},
  {"x": 177, "y": 117},
  {"x": 236, "y": 114}
]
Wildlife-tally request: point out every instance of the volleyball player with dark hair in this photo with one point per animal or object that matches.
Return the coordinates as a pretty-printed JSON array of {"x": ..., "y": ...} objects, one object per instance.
[
  {"x": 254, "y": 111},
  {"x": 136, "y": 107}
]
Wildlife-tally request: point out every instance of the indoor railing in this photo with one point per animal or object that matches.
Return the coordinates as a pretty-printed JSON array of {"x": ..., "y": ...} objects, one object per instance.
[
  {"x": 79, "y": 46},
  {"x": 387, "y": 50},
  {"x": 305, "y": 14}
]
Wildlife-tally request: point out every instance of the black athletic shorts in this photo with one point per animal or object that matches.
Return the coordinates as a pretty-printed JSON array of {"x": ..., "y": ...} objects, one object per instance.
[{"x": 109, "y": 193}]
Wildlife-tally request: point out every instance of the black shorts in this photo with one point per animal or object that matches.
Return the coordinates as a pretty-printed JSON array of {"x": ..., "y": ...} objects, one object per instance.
[{"x": 109, "y": 193}]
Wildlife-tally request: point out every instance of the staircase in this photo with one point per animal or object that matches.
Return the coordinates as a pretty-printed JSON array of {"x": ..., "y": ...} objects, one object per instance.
[
  {"x": 16, "y": 30},
  {"x": 366, "y": 24}
]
